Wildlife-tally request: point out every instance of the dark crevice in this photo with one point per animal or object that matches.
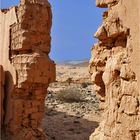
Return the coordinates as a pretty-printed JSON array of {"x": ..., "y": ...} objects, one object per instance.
[
  {"x": 18, "y": 52},
  {"x": 10, "y": 41},
  {"x": 16, "y": 11}
]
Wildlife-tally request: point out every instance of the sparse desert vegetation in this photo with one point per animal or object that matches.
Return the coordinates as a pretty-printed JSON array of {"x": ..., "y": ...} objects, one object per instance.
[
  {"x": 69, "y": 95},
  {"x": 72, "y": 109}
]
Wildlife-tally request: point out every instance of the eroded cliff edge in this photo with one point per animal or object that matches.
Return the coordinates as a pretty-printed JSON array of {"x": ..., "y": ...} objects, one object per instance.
[
  {"x": 26, "y": 69},
  {"x": 115, "y": 70}
]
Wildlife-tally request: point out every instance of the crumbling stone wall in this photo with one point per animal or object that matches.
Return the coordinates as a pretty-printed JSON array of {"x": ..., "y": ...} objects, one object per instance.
[
  {"x": 115, "y": 70},
  {"x": 24, "y": 47},
  {"x": 2, "y": 81}
]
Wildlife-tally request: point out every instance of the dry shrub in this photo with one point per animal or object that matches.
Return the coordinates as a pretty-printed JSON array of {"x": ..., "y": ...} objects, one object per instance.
[
  {"x": 84, "y": 85},
  {"x": 69, "y": 95}
]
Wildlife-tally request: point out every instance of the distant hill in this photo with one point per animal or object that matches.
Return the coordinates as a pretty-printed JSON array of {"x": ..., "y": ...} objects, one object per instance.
[
  {"x": 83, "y": 64},
  {"x": 80, "y": 63}
]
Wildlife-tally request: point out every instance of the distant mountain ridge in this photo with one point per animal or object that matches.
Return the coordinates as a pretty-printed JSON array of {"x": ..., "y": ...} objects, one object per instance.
[{"x": 83, "y": 62}]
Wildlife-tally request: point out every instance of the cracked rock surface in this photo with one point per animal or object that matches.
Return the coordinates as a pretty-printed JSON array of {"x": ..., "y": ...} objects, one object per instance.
[{"x": 114, "y": 68}]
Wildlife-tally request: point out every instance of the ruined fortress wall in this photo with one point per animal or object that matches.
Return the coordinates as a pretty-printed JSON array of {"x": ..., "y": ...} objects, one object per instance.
[
  {"x": 2, "y": 81},
  {"x": 24, "y": 48},
  {"x": 115, "y": 70}
]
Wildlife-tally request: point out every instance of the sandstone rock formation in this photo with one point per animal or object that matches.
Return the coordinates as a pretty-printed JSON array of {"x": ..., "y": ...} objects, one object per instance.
[
  {"x": 115, "y": 70},
  {"x": 28, "y": 70}
]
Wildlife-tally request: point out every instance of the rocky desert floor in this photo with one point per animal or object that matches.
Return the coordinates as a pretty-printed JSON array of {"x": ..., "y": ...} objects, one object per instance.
[{"x": 72, "y": 109}]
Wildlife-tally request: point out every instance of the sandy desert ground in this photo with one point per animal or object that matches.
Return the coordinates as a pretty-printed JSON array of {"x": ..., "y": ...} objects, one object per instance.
[{"x": 72, "y": 109}]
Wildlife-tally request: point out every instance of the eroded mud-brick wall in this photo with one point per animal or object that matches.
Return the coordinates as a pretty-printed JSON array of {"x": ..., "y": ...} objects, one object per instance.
[
  {"x": 24, "y": 48},
  {"x": 115, "y": 70},
  {"x": 2, "y": 81}
]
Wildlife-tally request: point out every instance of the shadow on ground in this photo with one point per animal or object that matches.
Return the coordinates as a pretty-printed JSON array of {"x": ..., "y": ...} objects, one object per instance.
[{"x": 60, "y": 126}]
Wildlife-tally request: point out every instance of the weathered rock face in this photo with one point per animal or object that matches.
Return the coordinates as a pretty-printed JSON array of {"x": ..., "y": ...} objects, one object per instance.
[
  {"x": 2, "y": 81},
  {"x": 115, "y": 70},
  {"x": 25, "y": 45}
]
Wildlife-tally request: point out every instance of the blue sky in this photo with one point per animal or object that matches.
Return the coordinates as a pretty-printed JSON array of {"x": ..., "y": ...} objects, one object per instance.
[{"x": 74, "y": 23}]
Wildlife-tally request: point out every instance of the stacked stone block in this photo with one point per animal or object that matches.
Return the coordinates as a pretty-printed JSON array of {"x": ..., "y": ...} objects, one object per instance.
[{"x": 29, "y": 47}]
